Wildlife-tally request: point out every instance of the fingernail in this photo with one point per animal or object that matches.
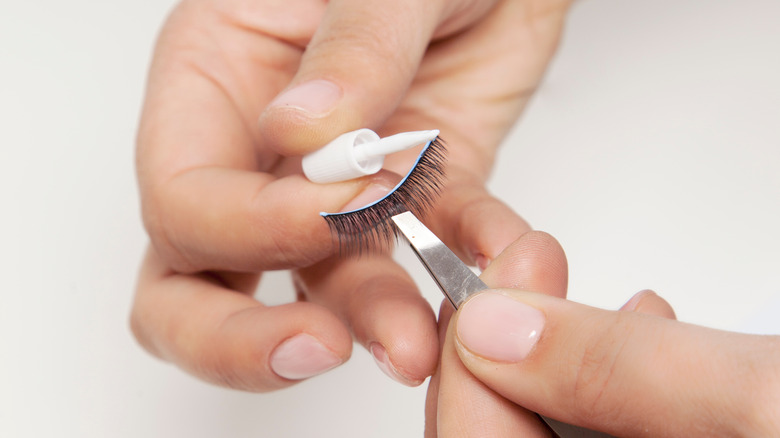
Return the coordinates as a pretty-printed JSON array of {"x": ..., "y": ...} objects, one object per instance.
[
  {"x": 383, "y": 361},
  {"x": 636, "y": 301},
  {"x": 369, "y": 195},
  {"x": 499, "y": 328},
  {"x": 302, "y": 356},
  {"x": 317, "y": 97},
  {"x": 482, "y": 261}
]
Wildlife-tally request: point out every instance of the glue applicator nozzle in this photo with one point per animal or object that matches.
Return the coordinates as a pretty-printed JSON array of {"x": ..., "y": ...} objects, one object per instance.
[{"x": 358, "y": 153}]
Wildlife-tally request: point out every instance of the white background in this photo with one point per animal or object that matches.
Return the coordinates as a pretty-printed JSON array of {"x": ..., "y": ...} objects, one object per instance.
[{"x": 652, "y": 151}]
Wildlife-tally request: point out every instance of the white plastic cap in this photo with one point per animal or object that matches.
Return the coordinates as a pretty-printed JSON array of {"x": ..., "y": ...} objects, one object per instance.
[
  {"x": 337, "y": 162},
  {"x": 358, "y": 153}
]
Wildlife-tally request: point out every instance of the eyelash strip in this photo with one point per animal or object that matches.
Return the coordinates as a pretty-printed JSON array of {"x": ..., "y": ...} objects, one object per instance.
[{"x": 369, "y": 228}]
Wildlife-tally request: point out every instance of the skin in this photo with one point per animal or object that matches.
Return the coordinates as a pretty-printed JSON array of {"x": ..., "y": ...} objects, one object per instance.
[
  {"x": 632, "y": 372},
  {"x": 457, "y": 403},
  {"x": 218, "y": 162}
]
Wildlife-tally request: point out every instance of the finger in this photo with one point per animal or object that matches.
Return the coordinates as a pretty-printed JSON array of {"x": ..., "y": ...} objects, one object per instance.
[
  {"x": 380, "y": 303},
  {"x": 624, "y": 373},
  {"x": 226, "y": 337},
  {"x": 223, "y": 219},
  {"x": 432, "y": 393},
  {"x": 336, "y": 88},
  {"x": 473, "y": 223},
  {"x": 210, "y": 194},
  {"x": 534, "y": 260},
  {"x": 207, "y": 200},
  {"x": 467, "y": 407},
  {"x": 649, "y": 303}
]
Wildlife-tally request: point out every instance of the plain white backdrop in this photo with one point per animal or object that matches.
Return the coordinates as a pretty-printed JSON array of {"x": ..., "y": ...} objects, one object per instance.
[{"x": 652, "y": 152}]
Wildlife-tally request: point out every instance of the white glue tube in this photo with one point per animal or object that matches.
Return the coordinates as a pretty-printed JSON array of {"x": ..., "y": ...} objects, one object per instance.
[{"x": 358, "y": 153}]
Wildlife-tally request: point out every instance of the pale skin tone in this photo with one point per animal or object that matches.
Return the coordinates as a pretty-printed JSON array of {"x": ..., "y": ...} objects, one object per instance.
[
  {"x": 632, "y": 372},
  {"x": 218, "y": 167},
  {"x": 223, "y": 198}
]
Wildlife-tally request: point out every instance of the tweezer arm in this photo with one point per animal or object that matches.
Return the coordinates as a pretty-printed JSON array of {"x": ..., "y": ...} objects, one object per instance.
[
  {"x": 452, "y": 276},
  {"x": 457, "y": 282}
]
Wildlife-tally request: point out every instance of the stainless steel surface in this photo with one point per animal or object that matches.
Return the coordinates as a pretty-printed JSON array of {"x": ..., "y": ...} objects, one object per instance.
[
  {"x": 458, "y": 282},
  {"x": 452, "y": 276}
]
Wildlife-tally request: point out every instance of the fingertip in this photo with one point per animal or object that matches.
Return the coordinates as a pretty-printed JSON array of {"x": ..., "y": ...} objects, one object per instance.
[
  {"x": 335, "y": 86},
  {"x": 377, "y": 187},
  {"x": 649, "y": 303},
  {"x": 305, "y": 117},
  {"x": 314, "y": 341},
  {"x": 383, "y": 361},
  {"x": 303, "y": 356},
  {"x": 474, "y": 224},
  {"x": 404, "y": 345},
  {"x": 260, "y": 348},
  {"x": 486, "y": 227},
  {"x": 489, "y": 413},
  {"x": 381, "y": 305},
  {"x": 498, "y": 327},
  {"x": 402, "y": 322},
  {"x": 535, "y": 261},
  {"x": 314, "y": 98}
]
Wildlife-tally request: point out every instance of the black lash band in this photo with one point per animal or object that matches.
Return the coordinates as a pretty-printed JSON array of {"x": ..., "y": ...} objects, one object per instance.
[{"x": 359, "y": 231}]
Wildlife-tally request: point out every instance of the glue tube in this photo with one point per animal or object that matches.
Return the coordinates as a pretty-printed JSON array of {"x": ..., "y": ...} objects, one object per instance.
[{"x": 358, "y": 153}]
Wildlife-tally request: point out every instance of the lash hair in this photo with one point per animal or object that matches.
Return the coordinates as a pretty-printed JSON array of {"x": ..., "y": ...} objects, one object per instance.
[{"x": 370, "y": 228}]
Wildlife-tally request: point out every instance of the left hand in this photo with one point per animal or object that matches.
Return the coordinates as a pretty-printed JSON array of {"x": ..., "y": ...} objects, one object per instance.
[{"x": 216, "y": 187}]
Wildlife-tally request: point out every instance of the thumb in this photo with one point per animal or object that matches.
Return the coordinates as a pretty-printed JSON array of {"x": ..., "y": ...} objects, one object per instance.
[
  {"x": 624, "y": 373},
  {"x": 353, "y": 74}
]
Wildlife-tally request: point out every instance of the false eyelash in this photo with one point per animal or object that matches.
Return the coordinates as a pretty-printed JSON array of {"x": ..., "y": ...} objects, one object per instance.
[{"x": 370, "y": 227}]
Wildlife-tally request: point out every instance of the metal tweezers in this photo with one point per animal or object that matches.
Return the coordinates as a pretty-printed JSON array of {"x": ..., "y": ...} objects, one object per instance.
[{"x": 458, "y": 282}]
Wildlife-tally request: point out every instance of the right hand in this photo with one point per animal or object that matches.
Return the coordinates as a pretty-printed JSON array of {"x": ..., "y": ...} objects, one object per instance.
[{"x": 633, "y": 372}]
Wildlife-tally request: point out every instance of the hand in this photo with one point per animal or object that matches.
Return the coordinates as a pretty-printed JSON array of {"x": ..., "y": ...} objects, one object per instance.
[
  {"x": 634, "y": 372},
  {"x": 223, "y": 198}
]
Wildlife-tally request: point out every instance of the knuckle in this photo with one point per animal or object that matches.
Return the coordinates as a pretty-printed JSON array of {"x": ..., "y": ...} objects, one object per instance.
[
  {"x": 368, "y": 51},
  {"x": 280, "y": 250},
  {"x": 227, "y": 362},
  {"x": 203, "y": 356},
  {"x": 157, "y": 222},
  {"x": 218, "y": 369}
]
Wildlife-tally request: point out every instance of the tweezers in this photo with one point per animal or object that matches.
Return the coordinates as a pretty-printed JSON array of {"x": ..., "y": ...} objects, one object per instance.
[{"x": 458, "y": 283}]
